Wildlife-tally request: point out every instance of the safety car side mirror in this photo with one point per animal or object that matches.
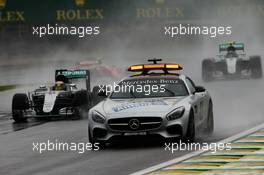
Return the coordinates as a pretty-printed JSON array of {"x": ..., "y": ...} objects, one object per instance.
[
  {"x": 102, "y": 93},
  {"x": 199, "y": 89}
]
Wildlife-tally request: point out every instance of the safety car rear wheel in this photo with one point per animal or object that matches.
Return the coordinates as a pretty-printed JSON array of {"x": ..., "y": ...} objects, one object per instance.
[
  {"x": 256, "y": 67},
  {"x": 210, "y": 119},
  {"x": 20, "y": 103}
]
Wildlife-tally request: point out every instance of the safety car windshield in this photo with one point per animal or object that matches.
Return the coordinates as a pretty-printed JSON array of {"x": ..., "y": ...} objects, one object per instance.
[{"x": 149, "y": 88}]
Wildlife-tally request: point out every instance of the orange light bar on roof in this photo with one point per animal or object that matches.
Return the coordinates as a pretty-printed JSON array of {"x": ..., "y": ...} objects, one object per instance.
[
  {"x": 136, "y": 68},
  {"x": 167, "y": 66},
  {"x": 174, "y": 66},
  {"x": 154, "y": 66}
]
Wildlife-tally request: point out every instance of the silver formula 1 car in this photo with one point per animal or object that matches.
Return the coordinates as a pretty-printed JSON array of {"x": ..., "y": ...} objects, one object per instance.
[
  {"x": 62, "y": 99},
  {"x": 152, "y": 103},
  {"x": 233, "y": 64}
]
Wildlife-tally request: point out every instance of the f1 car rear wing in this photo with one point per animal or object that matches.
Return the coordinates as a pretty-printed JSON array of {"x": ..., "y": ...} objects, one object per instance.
[
  {"x": 237, "y": 46},
  {"x": 66, "y": 75}
]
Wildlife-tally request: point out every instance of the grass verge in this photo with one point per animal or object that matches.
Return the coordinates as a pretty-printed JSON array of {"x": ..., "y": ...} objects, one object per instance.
[{"x": 7, "y": 87}]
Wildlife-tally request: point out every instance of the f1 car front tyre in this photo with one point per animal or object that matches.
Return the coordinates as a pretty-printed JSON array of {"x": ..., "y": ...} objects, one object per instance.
[
  {"x": 207, "y": 70},
  {"x": 255, "y": 66},
  {"x": 20, "y": 103},
  {"x": 80, "y": 113},
  {"x": 81, "y": 104},
  {"x": 80, "y": 98}
]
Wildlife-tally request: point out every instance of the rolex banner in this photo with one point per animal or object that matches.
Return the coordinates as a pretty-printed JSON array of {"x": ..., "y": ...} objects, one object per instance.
[{"x": 81, "y": 11}]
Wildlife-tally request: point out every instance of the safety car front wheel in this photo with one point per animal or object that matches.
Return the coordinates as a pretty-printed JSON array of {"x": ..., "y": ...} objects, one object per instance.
[{"x": 94, "y": 141}]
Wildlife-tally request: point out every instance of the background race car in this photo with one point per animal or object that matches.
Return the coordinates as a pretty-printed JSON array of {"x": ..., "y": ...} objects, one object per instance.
[
  {"x": 62, "y": 99},
  {"x": 233, "y": 63},
  {"x": 100, "y": 72}
]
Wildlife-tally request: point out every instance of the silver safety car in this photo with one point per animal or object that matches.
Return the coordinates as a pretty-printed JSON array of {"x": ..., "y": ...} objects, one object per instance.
[{"x": 155, "y": 102}]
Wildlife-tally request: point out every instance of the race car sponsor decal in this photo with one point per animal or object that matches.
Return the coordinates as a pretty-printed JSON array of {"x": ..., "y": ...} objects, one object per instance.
[
  {"x": 72, "y": 73},
  {"x": 49, "y": 101},
  {"x": 130, "y": 105}
]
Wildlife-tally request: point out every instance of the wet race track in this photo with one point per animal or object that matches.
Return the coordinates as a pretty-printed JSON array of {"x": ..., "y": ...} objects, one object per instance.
[{"x": 238, "y": 106}]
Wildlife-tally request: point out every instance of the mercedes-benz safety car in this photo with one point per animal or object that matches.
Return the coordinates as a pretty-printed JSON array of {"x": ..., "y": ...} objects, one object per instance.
[
  {"x": 62, "y": 99},
  {"x": 232, "y": 63},
  {"x": 155, "y": 102}
]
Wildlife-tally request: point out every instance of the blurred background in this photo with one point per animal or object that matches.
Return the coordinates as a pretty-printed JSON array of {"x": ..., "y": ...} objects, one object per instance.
[{"x": 131, "y": 31}]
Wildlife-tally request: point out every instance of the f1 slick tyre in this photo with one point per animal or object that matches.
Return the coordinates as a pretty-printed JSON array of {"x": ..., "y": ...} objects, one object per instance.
[
  {"x": 81, "y": 104},
  {"x": 207, "y": 70},
  {"x": 190, "y": 134},
  {"x": 255, "y": 66},
  {"x": 20, "y": 103},
  {"x": 210, "y": 119},
  {"x": 80, "y": 113},
  {"x": 80, "y": 98}
]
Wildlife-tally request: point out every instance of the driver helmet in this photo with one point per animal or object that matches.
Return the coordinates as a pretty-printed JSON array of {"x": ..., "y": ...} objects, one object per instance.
[
  {"x": 59, "y": 85},
  {"x": 231, "y": 48}
]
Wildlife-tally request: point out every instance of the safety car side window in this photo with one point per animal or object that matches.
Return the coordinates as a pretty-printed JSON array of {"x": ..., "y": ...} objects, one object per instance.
[{"x": 190, "y": 84}]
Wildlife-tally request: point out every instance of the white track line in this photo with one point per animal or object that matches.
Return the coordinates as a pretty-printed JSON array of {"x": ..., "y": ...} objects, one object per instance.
[{"x": 196, "y": 153}]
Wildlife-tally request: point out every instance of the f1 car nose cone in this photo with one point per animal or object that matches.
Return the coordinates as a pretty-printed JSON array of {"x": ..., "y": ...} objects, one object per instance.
[{"x": 134, "y": 124}]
